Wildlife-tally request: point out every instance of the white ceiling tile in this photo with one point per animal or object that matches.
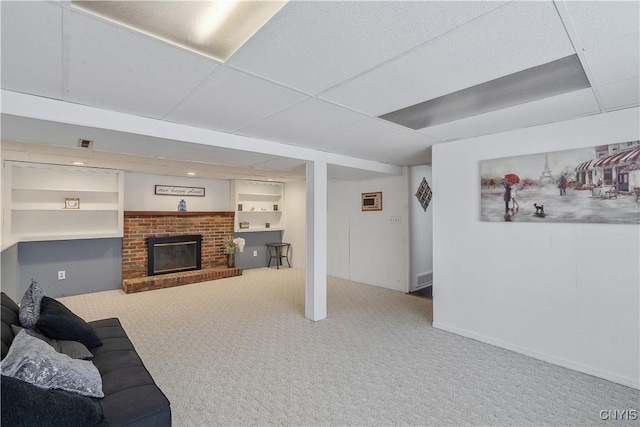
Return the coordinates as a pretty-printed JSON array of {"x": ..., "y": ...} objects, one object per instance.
[
  {"x": 62, "y": 136},
  {"x": 280, "y": 164},
  {"x": 410, "y": 157},
  {"x": 32, "y": 48},
  {"x": 407, "y": 148},
  {"x": 313, "y": 46},
  {"x": 306, "y": 118},
  {"x": 620, "y": 94},
  {"x": 199, "y": 153},
  {"x": 117, "y": 69},
  {"x": 615, "y": 60},
  {"x": 362, "y": 131},
  {"x": 385, "y": 154},
  {"x": 557, "y": 108},
  {"x": 345, "y": 173},
  {"x": 511, "y": 38},
  {"x": 596, "y": 22},
  {"x": 231, "y": 99}
]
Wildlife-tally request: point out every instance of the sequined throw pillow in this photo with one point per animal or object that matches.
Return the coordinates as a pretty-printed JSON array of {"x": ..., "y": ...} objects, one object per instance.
[{"x": 30, "y": 306}]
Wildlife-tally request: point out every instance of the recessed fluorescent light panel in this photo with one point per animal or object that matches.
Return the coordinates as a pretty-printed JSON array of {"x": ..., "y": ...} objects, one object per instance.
[
  {"x": 212, "y": 28},
  {"x": 554, "y": 78}
]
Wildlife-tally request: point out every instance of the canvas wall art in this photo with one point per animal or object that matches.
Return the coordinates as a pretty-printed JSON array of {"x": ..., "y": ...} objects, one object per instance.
[{"x": 598, "y": 184}]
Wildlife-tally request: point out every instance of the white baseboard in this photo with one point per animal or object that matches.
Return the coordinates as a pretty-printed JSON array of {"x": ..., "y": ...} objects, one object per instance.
[{"x": 629, "y": 382}]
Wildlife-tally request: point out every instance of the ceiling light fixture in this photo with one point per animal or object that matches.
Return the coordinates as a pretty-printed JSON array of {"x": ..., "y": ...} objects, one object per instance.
[
  {"x": 212, "y": 28},
  {"x": 78, "y": 163},
  {"x": 217, "y": 14},
  {"x": 191, "y": 173},
  {"x": 551, "y": 79}
]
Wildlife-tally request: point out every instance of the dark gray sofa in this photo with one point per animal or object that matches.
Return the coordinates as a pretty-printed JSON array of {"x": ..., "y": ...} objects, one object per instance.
[{"x": 131, "y": 397}]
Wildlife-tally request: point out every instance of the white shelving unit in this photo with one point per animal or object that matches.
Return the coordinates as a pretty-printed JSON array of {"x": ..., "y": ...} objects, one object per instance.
[
  {"x": 34, "y": 202},
  {"x": 258, "y": 203}
]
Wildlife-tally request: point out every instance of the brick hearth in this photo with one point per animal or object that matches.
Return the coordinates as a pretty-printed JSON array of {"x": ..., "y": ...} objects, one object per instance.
[
  {"x": 177, "y": 279},
  {"x": 215, "y": 228}
]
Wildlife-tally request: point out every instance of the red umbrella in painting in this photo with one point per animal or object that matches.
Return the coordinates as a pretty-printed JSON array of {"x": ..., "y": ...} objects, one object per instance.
[{"x": 512, "y": 178}]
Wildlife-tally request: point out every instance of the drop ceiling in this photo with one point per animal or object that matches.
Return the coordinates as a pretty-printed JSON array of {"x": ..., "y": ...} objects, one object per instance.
[{"x": 316, "y": 77}]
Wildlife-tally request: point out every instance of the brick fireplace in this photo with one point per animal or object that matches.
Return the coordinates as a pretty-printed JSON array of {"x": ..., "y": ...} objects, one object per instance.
[{"x": 214, "y": 227}]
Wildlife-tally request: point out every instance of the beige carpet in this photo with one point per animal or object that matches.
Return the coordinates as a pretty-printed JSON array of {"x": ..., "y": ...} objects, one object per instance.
[{"x": 239, "y": 352}]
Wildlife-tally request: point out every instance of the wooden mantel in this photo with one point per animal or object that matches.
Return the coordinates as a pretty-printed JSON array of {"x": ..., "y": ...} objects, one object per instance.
[{"x": 178, "y": 213}]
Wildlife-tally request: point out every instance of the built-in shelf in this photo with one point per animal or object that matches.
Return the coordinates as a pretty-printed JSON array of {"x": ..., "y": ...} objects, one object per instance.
[
  {"x": 35, "y": 197},
  {"x": 47, "y": 188},
  {"x": 258, "y": 196},
  {"x": 257, "y": 203},
  {"x": 256, "y": 230}
]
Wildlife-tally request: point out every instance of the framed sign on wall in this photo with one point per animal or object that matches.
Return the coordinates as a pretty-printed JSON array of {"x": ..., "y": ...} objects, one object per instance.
[{"x": 175, "y": 190}]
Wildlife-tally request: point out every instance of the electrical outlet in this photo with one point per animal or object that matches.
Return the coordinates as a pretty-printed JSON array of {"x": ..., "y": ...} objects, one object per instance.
[
  {"x": 255, "y": 253},
  {"x": 395, "y": 220},
  {"x": 62, "y": 275}
]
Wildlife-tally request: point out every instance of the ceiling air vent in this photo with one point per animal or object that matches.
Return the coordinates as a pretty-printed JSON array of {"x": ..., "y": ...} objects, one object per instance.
[{"x": 85, "y": 143}]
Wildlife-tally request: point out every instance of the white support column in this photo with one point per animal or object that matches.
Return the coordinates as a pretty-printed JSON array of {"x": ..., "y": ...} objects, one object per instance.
[{"x": 315, "y": 303}]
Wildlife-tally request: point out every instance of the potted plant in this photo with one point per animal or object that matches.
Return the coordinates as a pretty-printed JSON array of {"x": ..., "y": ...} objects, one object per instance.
[{"x": 231, "y": 247}]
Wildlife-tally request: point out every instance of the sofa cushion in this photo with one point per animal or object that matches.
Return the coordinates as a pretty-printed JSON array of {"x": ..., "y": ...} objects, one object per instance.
[
  {"x": 24, "y": 404},
  {"x": 30, "y": 305},
  {"x": 125, "y": 378},
  {"x": 73, "y": 349},
  {"x": 57, "y": 321},
  {"x": 10, "y": 317},
  {"x": 36, "y": 362}
]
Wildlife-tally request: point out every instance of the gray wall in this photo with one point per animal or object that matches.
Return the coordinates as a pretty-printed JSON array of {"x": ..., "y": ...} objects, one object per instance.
[
  {"x": 11, "y": 273},
  {"x": 256, "y": 241},
  {"x": 91, "y": 265}
]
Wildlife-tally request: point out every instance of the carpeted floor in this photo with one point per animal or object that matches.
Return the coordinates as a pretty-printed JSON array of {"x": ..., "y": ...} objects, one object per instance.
[{"x": 238, "y": 351}]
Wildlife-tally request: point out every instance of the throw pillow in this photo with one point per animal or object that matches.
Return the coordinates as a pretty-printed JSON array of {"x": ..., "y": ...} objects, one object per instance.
[
  {"x": 25, "y": 405},
  {"x": 16, "y": 330},
  {"x": 57, "y": 321},
  {"x": 36, "y": 362},
  {"x": 73, "y": 349},
  {"x": 30, "y": 305}
]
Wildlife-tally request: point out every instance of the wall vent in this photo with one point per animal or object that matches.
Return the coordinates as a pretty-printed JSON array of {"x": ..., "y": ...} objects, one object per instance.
[
  {"x": 85, "y": 143},
  {"x": 425, "y": 279}
]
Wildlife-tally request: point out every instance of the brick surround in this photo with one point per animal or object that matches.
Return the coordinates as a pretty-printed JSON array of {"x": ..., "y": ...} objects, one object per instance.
[{"x": 215, "y": 228}]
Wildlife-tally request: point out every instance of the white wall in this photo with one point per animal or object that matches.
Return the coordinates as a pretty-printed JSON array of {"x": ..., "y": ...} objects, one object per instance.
[
  {"x": 338, "y": 226},
  {"x": 566, "y": 293},
  {"x": 139, "y": 193},
  {"x": 294, "y": 225},
  {"x": 365, "y": 246},
  {"x": 421, "y": 226}
]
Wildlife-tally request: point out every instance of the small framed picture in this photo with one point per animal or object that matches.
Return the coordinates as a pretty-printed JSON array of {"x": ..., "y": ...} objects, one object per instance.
[
  {"x": 72, "y": 203},
  {"x": 372, "y": 201}
]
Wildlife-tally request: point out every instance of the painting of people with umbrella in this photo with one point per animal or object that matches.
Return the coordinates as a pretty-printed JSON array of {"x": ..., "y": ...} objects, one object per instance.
[
  {"x": 509, "y": 196},
  {"x": 563, "y": 186}
]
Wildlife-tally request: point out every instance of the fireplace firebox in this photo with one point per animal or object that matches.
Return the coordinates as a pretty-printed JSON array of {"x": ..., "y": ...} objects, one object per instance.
[{"x": 173, "y": 254}]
